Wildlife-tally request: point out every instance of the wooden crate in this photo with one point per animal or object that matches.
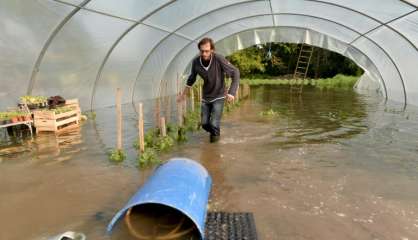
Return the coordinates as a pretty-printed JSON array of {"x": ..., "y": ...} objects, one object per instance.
[
  {"x": 49, "y": 121},
  {"x": 72, "y": 103}
]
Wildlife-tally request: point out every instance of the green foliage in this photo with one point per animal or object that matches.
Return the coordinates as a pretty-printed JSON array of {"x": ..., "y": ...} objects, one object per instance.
[
  {"x": 230, "y": 106},
  {"x": 64, "y": 109},
  {"x": 117, "y": 155},
  {"x": 150, "y": 137},
  {"x": 172, "y": 130},
  {"x": 155, "y": 144},
  {"x": 148, "y": 157},
  {"x": 164, "y": 143},
  {"x": 192, "y": 121},
  {"x": 269, "y": 113},
  {"x": 33, "y": 99},
  {"x": 92, "y": 115},
  {"x": 284, "y": 56},
  {"x": 181, "y": 134},
  {"x": 11, "y": 114},
  {"x": 248, "y": 60},
  {"x": 331, "y": 64},
  {"x": 339, "y": 81},
  {"x": 3, "y": 117}
]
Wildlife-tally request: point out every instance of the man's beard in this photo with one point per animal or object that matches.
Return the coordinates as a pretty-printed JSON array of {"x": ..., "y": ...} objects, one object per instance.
[{"x": 207, "y": 58}]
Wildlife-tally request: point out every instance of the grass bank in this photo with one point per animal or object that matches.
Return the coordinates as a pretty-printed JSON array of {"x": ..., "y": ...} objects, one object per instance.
[{"x": 338, "y": 81}]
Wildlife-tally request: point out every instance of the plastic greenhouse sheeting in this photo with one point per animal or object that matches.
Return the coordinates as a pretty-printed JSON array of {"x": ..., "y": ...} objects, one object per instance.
[{"x": 87, "y": 48}]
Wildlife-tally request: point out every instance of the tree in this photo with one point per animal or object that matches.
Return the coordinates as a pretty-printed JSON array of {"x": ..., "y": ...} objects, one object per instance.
[
  {"x": 277, "y": 59},
  {"x": 249, "y": 61}
]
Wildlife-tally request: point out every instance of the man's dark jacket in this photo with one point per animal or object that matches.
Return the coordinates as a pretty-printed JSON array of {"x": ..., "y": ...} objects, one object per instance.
[{"x": 214, "y": 77}]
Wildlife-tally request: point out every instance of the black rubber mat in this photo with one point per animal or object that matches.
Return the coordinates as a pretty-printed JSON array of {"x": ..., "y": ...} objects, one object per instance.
[{"x": 230, "y": 226}]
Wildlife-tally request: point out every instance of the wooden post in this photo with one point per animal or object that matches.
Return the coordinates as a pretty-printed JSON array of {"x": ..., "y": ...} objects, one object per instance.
[
  {"x": 246, "y": 91},
  {"x": 179, "y": 104},
  {"x": 163, "y": 97},
  {"x": 237, "y": 97},
  {"x": 192, "y": 99},
  {"x": 157, "y": 111},
  {"x": 141, "y": 127},
  {"x": 200, "y": 92},
  {"x": 177, "y": 100},
  {"x": 197, "y": 91},
  {"x": 177, "y": 83},
  {"x": 163, "y": 129},
  {"x": 119, "y": 118},
  {"x": 180, "y": 114},
  {"x": 167, "y": 103},
  {"x": 168, "y": 109},
  {"x": 184, "y": 110},
  {"x": 158, "y": 101}
]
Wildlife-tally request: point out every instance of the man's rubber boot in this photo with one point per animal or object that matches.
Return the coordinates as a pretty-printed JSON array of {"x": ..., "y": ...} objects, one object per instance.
[{"x": 214, "y": 138}]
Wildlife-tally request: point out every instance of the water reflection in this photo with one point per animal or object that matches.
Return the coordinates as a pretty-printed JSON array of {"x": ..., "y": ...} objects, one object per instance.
[
  {"x": 44, "y": 147},
  {"x": 317, "y": 116}
]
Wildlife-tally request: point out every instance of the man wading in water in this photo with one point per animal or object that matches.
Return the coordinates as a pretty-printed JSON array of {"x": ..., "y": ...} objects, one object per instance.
[{"x": 212, "y": 67}]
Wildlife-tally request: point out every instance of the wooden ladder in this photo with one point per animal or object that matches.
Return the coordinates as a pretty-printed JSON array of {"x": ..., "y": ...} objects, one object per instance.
[{"x": 302, "y": 66}]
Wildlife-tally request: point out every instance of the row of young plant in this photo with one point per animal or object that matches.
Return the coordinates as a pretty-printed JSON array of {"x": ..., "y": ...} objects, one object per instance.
[
  {"x": 59, "y": 110},
  {"x": 338, "y": 81},
  {"x": 156, "y": 143},
  {"x": 33, "y": 99}
]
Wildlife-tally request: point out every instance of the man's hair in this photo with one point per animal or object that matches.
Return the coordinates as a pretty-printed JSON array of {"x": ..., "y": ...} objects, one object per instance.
[{"x": 205, "y": 41}]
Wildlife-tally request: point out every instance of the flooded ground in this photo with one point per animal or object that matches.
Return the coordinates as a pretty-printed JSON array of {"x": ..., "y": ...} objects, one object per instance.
[{"x": 329, "y": 165}]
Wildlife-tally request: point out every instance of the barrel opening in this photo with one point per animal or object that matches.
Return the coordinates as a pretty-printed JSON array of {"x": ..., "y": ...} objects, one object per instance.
[{"x": 158, "y": 222}]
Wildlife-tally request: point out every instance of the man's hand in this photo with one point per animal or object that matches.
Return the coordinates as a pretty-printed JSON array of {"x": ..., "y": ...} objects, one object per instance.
[{"x": 230, "y": 98}]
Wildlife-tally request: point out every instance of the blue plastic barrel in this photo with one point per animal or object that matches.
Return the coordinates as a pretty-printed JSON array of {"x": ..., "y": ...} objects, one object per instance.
[{"x": 181, "y": 184}]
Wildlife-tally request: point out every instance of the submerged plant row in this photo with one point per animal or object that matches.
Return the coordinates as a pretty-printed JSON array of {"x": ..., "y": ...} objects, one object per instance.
[{"x": 158, "y": 141}]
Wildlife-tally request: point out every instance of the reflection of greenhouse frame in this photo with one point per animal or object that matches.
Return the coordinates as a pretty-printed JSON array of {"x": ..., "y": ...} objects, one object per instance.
[{"x": 82, "y": 6}]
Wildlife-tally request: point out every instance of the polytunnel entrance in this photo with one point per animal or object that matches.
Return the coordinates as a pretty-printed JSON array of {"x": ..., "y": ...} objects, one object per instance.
[{"x": 371, "y": 79}]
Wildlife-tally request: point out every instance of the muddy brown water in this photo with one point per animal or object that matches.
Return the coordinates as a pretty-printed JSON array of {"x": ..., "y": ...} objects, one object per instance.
[{"x": 329, "y": 165}]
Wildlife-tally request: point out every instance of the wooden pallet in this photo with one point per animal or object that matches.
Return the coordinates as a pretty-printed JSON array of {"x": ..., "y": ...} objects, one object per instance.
[
  {"x": 72, "y": 103},
  {"x": 49, "y": 121}
]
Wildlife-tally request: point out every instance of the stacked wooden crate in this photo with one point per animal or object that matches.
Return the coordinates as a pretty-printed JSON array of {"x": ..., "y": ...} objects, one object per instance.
[{"x": 49, "y": 121}]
